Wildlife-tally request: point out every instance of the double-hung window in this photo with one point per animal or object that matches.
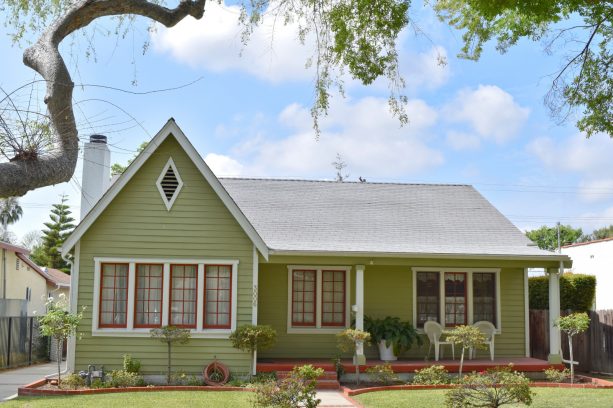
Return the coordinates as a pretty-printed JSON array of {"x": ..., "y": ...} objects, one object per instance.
[
  {"x": 317, "y": 298},
  {"x": 113, "y": 294},
  {"x": 183, "y": 295},
  {"x": 218, "y": 296},
  {"x": 455, "y": 297},
  {"x": 149, "y": 295}
]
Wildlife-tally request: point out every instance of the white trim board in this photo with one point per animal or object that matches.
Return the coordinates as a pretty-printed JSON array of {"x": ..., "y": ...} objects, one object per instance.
[
  {"x": 130, "y": 330},
  {"x": 469, "y": 292},
  {"x": 170, "y": 128}
]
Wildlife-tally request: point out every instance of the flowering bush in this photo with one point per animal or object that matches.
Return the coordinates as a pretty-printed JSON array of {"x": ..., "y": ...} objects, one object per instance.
[
  {"x": 297, "y": 390},
  {"x": 433, "y": 375},
  {"x": 383, "y": 374},
  {"x": 555, "y": 375}
]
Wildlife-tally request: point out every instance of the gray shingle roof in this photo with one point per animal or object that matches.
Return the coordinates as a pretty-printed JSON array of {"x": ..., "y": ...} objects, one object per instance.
[{"x": 322, "y": 216}]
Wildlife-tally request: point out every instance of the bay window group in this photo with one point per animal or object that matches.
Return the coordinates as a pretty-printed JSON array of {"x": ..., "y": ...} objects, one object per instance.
[
  {"x": 140, "y": 294},
  {"x": 456, "y": 297}
]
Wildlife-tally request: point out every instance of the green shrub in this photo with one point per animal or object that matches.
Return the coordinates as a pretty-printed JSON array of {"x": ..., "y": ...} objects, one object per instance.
[
  {"x": 72, "y": 382},
  {"x": 396, "y": 333},
  {"x": 98, "y": 383},
  {"x": 491, "y": 389},
  {"x": 130, "y": 364},
  {"x": 122, "y": 378},
  {"x": 383, "y": 374},
  {"x": 577, "y": 292},
  {"x": 194, "y": 381},
  {"x": 433, "y": 375},
  {"x": 297, "y": 390},
  {"x": 555, "y": 375},
  {"x": 252, "y": 338}
]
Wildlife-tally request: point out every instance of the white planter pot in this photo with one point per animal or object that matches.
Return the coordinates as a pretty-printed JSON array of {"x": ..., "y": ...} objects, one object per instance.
[{"x": 386, "y": 353}]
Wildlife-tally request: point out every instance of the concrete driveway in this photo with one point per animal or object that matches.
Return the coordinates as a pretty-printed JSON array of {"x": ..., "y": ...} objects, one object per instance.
[{"x": 14, "y": 378}]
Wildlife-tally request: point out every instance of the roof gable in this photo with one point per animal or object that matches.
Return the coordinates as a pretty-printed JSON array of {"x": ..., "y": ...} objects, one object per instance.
[{"x": 169, "y": 129}]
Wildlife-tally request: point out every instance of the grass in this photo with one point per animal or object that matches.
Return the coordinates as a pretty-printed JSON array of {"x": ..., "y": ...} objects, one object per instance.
[
  {"x": 544, "y": 398},
  {"x": 208, "y": 399}
]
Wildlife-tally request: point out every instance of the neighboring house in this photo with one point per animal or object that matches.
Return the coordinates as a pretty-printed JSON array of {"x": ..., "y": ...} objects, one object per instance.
[
  {"x": 22, "y": 283},
  {"x": 59, "y": 283},
  {"x": 170, "y": 243},
  {"x": 595, "y": 258}
]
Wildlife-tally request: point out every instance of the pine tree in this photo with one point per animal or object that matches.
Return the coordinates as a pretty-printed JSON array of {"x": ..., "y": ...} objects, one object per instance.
[{"x": 54, "y": 236}]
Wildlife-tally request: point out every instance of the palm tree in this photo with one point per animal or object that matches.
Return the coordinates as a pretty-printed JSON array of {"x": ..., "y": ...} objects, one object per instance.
[{"x": 10, "y": 213}]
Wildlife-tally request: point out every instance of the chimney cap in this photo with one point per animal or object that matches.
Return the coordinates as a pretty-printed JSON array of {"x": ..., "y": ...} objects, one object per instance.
[{"x": 97, "y": 139}]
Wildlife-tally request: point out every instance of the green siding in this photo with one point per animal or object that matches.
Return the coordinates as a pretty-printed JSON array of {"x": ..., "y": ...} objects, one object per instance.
[
  {"x": 388, "y": 291},
  {"x": 137, "y": 224}
]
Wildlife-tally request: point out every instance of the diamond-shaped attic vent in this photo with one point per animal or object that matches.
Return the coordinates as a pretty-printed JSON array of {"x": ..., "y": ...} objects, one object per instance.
[{"x": 169, "y": 183}]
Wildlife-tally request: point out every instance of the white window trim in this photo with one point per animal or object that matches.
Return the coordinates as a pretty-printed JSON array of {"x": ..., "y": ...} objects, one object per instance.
[
  {"x": 469, "y": 292},
  {"x": 199, "y": 332},
  {"x": 169, "y": 163},
  {"x": 318, "y": 329}
]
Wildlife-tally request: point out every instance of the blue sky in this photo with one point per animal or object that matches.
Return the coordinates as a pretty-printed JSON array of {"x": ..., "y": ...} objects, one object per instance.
[{"x": 480, "y": 123}]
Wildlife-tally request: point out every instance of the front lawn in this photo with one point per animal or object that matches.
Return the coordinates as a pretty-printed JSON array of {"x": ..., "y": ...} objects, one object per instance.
[
  {"x": 544, "y": 398},
  {"x": 153, "y": 399}
]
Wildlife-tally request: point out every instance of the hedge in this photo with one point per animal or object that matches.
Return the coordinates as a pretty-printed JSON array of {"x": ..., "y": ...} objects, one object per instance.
[{"x": 577, "y": 292}]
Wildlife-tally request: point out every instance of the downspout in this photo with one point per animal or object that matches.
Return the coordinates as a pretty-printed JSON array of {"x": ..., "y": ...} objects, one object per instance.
[{"x": 3, "y": 273}]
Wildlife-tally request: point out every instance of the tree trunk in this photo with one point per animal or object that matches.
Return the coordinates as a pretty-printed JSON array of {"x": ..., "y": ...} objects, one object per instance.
[
  {"x": 168, "y": 374},
  {"x": 24, "y": 173},
  {"x": 572, "y": 362},
  {"x": 461, "y": 362},
  {"x": 60, "y": 343}
]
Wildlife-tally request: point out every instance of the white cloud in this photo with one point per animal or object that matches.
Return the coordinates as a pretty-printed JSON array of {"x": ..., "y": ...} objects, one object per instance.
[
  {"x": 274, "y": 52},
  {"x": 589, "y": 158},
  {"x": 368, "y": 138},
  {"x": 214, "y": 43},
  {"x": 462, "y": 141},
  {"x": 223, "y": 165},
  {"x": 490, "y": 111}
]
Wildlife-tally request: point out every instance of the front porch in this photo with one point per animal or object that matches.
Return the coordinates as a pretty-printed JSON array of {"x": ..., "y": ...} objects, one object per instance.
[{"x": 523, "y": 364}]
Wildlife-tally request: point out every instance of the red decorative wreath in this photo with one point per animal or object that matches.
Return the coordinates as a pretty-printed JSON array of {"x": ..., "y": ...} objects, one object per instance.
[{"x": 216, "y": 374}]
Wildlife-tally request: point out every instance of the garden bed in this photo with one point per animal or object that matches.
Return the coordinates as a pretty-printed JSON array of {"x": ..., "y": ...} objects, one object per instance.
[
  {"x": 44, "y": 388},
  {"x": 581, "y": 381}
]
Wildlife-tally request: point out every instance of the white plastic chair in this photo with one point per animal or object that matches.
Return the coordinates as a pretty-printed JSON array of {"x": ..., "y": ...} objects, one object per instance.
[
  {"x": 434, "y": 332},
  {"x": 489, "y": 331}
]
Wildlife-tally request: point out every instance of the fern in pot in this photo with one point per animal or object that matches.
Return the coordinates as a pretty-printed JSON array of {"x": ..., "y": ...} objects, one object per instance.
[{"x": 392, "y": 335}]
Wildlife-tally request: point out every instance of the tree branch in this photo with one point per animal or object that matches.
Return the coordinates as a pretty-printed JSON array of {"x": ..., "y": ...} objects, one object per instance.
[{"x": 18, "y": 176}]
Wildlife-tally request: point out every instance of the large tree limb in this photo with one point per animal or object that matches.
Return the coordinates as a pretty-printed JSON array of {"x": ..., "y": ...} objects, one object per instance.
[{"x": 21, "y": 175}]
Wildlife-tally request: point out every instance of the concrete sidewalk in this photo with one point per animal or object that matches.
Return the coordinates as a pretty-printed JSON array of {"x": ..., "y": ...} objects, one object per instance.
[
  {"x": 333, "y": 398},
  {"x": 14, "y": 378}
]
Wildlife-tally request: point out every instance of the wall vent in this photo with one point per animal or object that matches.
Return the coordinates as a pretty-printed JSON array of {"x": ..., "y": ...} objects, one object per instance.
[{"x": 169, "y": 183}]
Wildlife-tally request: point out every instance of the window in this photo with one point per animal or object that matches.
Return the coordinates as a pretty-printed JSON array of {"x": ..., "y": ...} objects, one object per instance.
[
  {"x": 427, "y": 297},
  {"x": 17, "y": 263},
  {"x": 218, "y": 296},
  {"x": 114, "y": 295},
  {"x": 183, "y": 295},
  {"x": 303, "y": 298},
  {"x": 484, "y": 297},
  {"x": 317, "y": 298},
  {"x": 455, "y": 298},
  {"x": 149, "y": 293},
  {"x": 28, "y": 294}
]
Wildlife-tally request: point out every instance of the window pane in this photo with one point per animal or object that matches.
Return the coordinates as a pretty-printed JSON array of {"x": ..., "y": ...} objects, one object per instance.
[
  {"x": 455, "y": 298},
  {"x": 333, "y": 298},
  {"x": 183, "y": 284},
  {"x": 484, "y": 297},
  {"x": 218, "y": 283},
  {"x": 303, "y": 297},
  {"x": 114, "y": 295},
  {"x": 427, "y": 297},
  {"x": 148, "y": 301}
]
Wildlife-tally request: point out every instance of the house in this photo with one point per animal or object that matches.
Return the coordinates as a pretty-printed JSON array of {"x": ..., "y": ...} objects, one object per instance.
[
  {"x": 170, "y": 243},
  {"x": 24, "y": 286},
  {"x": 595, "y": 258}
]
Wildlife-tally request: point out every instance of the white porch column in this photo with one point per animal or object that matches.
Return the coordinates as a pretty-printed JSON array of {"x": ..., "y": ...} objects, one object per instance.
[
  {"x": 554, "y": 314},
  {"x": 359, "y": 309}
]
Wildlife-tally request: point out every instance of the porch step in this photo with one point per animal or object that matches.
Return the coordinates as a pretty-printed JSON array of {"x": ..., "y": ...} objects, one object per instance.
[{"x": 328, "y": 381}]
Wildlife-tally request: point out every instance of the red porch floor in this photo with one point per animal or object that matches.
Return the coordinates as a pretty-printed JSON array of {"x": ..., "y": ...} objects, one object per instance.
[{"x": 524, "y": 364}]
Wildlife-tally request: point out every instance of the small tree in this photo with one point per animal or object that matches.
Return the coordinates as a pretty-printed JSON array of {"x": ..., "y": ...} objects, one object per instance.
[
  {"x": 253, "y": 338},
  {"x": 573, "y": 324},
  {"x": 491, "y": 389},
  {"x": 170, "y": 335},
  {"x": 469, "y": 337},
  {"x": 59, "y": 324},
  {"x": 348, "y": 341}
]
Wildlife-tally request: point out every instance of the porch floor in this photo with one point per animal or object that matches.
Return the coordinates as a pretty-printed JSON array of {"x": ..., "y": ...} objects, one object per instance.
[{"x": 523, "y": 364}]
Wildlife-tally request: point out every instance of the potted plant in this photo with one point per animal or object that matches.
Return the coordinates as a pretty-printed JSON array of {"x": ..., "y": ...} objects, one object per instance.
[{"x": 392, "y": 336}]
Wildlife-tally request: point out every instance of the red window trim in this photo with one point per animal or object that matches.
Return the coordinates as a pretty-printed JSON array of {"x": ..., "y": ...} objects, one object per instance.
[
  {"x": 183, "y": 326},
  {"x": 465, "y": 299},
  {"x": 495, "y": 294},
  {"x": 147, "y": 326},
  {"x": 438, "y": 297},
  {"x": 342, "y": 324},
  {"x": 100, "y": 324},
  {"x": 225, "y": 326},
  {"x": 302, "y": 324}
]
